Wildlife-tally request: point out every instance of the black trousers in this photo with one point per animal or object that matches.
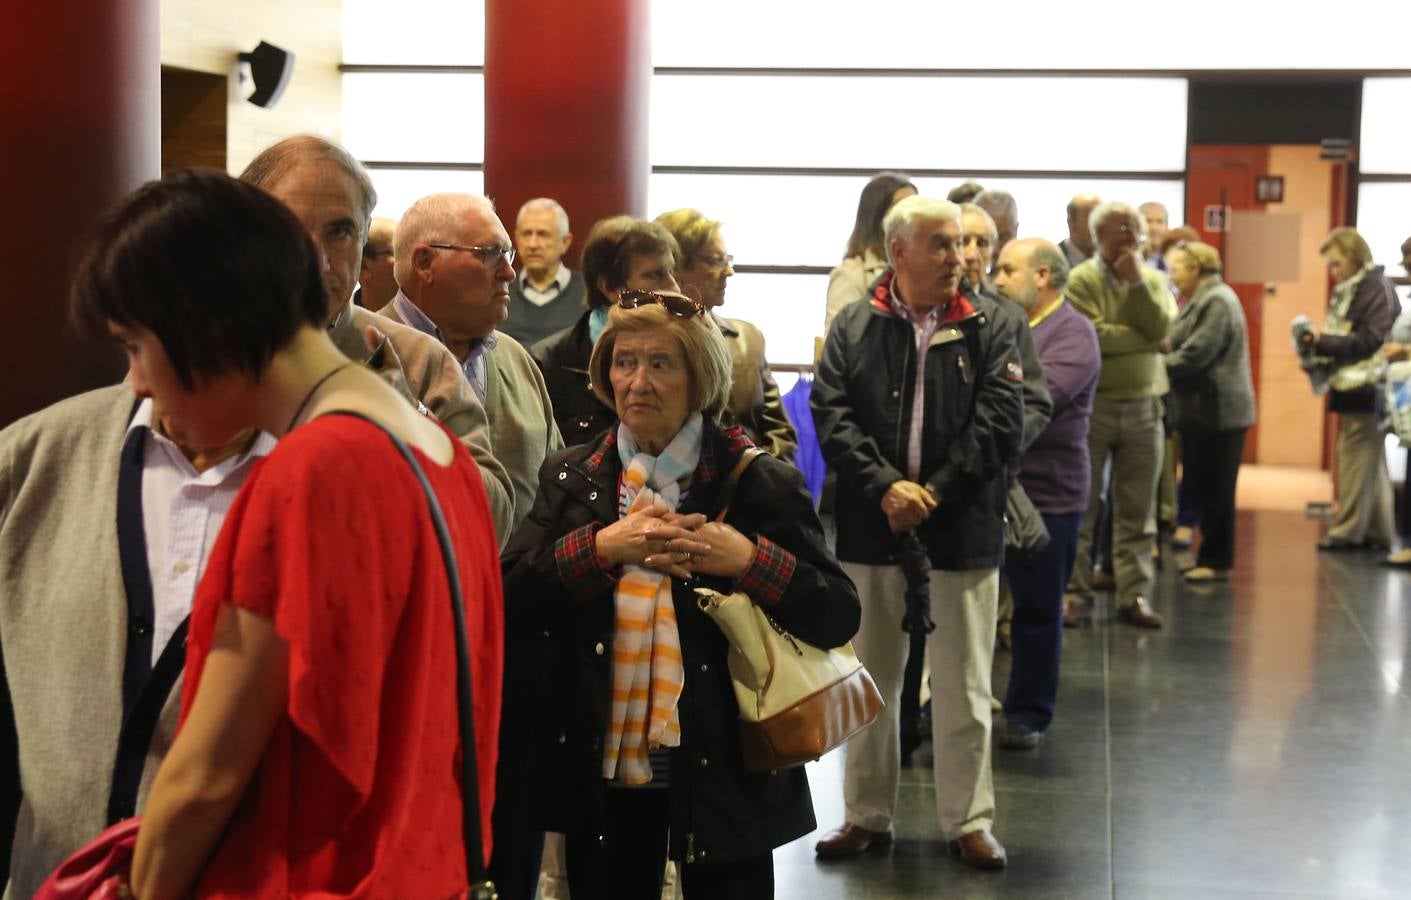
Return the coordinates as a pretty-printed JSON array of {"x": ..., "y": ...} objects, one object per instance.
[
  {"x": 1213, "y": 460},
  {"x": 628, "y": 860},
  {"x": 1038, "y": 583}
]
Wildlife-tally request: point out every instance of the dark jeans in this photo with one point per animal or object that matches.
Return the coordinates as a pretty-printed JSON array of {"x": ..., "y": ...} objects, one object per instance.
[
  {"x": 1038, "y": 583},
  {"x": 628, "y": 861},
  {"x": 1213, "y": 460}
]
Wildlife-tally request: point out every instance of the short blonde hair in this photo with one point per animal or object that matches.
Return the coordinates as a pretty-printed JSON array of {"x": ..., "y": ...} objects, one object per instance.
[
  {"x": 691, "y": 229},
  {"x": 1350, "y": 243},
  {"x": 1206, "y": 257},
  {"x": 703, "y": 349}
]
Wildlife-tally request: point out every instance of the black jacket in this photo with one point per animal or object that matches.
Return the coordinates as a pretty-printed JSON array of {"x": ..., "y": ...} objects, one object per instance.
[
  {"x": 718, "y": 812},
  {"x": 1373, "y": 308},
  {"x": 861, "y": 401},
  {"x": 563, "y": 358}
]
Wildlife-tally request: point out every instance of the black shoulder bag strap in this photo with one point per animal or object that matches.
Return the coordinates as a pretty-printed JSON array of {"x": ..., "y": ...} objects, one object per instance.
[{"x": 481, "y": 888}]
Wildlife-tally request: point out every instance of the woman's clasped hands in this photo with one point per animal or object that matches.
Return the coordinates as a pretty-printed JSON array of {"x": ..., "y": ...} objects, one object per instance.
[{"x": 674, "y": 544}]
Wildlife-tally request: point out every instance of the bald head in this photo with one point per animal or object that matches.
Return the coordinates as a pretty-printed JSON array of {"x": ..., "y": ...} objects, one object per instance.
[
  {"x": 1079, "y": 208},
  {"x": 1032, "y": 273},
  {"x": 1406, "y": 255}
]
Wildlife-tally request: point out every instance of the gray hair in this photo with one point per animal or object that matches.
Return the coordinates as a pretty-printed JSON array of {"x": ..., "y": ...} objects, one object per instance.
[
  {"x": 434, "y": 218},
  {"x": 277, "y": 160},
  {"x": 1050, "y": 257},
  {"x": 998, "y": 203},
  {"x": 1104, "y": 211},
  {"x": 544, "y": 204},
  {"x": 901, "y": 220},
  {"x": 976, "y": 209}
]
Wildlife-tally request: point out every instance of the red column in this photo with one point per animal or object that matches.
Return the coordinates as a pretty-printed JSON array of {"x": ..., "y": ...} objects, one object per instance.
[
  {"x": 80, "y": 125},
  {"x": 566, "y": 85}
]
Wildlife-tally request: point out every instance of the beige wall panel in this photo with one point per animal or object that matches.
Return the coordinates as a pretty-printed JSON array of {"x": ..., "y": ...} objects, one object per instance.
[
  {"x": 206, "y": 35},
  {"x": 1290, "y": 417}
]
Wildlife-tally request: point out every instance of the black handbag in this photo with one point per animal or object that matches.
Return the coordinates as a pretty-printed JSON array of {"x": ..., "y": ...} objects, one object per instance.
[{"x": 481, "y": 887}]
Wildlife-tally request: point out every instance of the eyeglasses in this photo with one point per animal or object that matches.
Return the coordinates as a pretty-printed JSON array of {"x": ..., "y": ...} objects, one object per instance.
[
  {"x": 1123, "y": 229},
  {"x": 488, "y": 256},
  {"x": 723, "y": 261},
  {"x": 678, "y": 305}
]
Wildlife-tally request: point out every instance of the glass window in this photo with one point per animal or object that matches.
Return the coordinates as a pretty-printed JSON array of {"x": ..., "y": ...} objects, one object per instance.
[
  {"x": 414, "y": 32},
  {"x": 1383, "y": 221},
  {"x": 787, "y": 308},
  {"x": 1027, "y": 34},
  {"x": 795, "y": 121},
  {"x": 408, "y": 117},
  {"x": 399, "y": 188},
  {"x": 806, "y": 219},
  {"x": 1384, "y": 147}
]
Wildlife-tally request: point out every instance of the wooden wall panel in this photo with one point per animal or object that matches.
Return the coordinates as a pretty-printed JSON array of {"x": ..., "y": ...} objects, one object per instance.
[{"x": 207, "y": 36}]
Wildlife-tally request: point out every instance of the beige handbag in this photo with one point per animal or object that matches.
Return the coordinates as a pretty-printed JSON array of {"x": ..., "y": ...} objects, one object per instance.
[{"x": 796, "y": 701}]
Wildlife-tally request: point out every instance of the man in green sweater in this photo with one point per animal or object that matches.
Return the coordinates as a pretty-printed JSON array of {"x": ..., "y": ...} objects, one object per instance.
[{"x": 1132, "y": 309}]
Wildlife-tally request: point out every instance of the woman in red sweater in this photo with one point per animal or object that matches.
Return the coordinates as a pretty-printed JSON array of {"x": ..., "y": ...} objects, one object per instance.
[{"x": 319, "y": 744}]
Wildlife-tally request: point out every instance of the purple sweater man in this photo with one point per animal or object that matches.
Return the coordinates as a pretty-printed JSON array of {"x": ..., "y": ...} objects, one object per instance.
[{"x": 1055, "y": 473}]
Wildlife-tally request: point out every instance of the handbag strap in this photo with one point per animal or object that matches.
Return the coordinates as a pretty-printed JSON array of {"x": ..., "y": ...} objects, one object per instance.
[
  {"x": 481, "y": 888},
  {"x": 732, "y": 481}
]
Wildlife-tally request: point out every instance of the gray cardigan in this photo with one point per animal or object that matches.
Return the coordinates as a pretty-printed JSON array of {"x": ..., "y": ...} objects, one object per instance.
[
  {"x": 63, "y": 624},
  {"x": 1208, "y": 365}
]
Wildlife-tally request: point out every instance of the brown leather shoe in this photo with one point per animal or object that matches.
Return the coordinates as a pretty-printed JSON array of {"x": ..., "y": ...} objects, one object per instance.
[
  {"x": 1139, "y": 613},
  {"x": 1103, "y": 581},
  {"x": 979, "y": 849},
  {"x": 1075, "y": 613},
  {"x": 850, "y": 840}
]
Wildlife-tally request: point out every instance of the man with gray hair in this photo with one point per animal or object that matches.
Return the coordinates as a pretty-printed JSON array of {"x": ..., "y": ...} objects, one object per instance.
[
  {"x": 1054, "y": 473},
  {"x": 1157, "y": 222},
  {"x": 331, "y": 193},
  {"x": 453, "y": 268},
  {"x": 1005, "y": 212},
  {"x": 547, "y": 296},
  {"x": 1132, "y": 308},
  {"x": 919, "y": 411}
]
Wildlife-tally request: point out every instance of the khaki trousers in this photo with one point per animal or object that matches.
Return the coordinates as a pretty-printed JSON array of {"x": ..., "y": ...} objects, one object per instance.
[
  {"x": 1129, "y": 433},
  {"x": 960, "y": 651},
  {"x": 1364, "y": 488}
]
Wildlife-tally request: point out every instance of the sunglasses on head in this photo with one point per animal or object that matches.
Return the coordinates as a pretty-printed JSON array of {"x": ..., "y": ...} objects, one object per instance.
[{"x": 678, "y": 305}]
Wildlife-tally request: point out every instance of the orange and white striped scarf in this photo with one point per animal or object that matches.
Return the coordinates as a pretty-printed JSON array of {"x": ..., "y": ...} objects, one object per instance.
[{"x": 648, "y": 673}]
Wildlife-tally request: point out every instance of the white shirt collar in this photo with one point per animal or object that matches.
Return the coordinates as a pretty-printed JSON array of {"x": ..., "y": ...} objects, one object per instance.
[{"x": 262, "y": 446}]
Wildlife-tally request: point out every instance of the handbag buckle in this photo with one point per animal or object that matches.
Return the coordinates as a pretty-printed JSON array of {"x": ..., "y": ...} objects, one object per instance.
[{"x": 484, "y": 890}]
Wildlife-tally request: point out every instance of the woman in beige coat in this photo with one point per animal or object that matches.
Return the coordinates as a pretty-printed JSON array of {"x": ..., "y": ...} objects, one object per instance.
[{"x": 866, "y": 256}]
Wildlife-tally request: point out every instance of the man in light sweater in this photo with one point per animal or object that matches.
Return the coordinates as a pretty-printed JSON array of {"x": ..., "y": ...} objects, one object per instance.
[
  {"x": 1132, "y": 309},
  {"x": 453, "y": 270}
]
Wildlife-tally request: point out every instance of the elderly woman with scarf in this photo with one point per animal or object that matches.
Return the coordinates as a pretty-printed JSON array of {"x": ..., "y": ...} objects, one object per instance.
[
  {"x": 1360, "y": 314},
  {"x": 636, "y": 753}
]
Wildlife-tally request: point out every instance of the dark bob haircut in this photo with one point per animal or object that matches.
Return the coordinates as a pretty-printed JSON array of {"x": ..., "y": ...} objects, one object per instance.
[
  {"x": 221, "y": 272},
  {"x": 872, "y": 205},
  {"x": 608, "y": 252}
]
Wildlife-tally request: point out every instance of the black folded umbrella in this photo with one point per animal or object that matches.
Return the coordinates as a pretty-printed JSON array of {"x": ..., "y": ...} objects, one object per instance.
[{"x": 916, "y": 566}]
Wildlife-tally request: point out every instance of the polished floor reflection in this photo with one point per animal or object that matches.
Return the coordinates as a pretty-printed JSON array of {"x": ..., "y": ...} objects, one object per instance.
[{"x": 1258, "y": 746}]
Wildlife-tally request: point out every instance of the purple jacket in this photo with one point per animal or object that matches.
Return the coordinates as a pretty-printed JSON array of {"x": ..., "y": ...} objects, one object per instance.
[{"x": 1055, "y": 471}]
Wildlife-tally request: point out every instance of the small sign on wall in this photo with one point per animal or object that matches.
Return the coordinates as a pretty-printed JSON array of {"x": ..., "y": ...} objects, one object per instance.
[
  {"x": 1217, "y": 218},
  {"x": 1269, "y": 189}
]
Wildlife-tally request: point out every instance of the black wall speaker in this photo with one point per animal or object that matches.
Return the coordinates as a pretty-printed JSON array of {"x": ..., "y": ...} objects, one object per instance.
[{"x": 270, "y": 67}]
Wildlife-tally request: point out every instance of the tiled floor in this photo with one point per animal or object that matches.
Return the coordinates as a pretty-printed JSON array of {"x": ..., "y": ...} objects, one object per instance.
[{"x": 1258, "y": 746}]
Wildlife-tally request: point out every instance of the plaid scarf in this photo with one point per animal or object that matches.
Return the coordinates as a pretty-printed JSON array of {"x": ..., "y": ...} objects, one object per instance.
[{"x": 648, "y": 673}]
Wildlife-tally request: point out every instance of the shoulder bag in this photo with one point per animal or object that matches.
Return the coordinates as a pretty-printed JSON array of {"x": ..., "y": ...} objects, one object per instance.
[
  {"x": 100, "y": 869},
  {"x": 796, "y": 701}
]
